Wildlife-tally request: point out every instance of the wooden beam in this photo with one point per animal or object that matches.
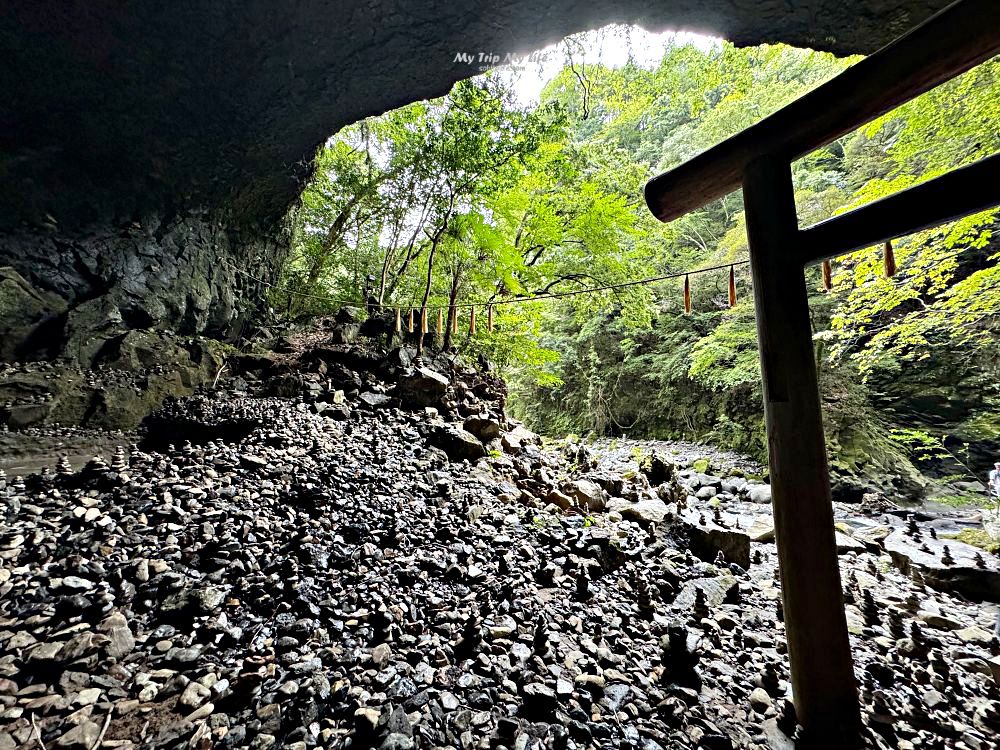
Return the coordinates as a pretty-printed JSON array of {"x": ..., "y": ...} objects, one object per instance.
[
  {"x": 958, "y": 193},
  {"x": 958, "y": 38},
  {"x": 823, "y": 682}
]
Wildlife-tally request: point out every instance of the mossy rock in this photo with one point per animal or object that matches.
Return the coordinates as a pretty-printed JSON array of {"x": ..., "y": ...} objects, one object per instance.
[
  {"x": 701, "y": 465},
  {"x": 977, "y": 538}
]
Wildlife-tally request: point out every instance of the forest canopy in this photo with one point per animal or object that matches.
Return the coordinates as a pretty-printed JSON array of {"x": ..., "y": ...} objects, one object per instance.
[{"x": 478, "y": 198}]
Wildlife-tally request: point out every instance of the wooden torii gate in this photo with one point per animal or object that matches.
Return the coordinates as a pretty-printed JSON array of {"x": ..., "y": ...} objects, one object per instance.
[{"x": 758, "y": 159}]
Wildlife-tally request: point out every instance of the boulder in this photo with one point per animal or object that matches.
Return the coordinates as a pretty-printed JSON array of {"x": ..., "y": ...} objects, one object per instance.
[
  {"x": 422, "y": 386},
  {"x": 457, "y": 443},
  {"x": 971, "y": 572},
  {"x": 144, "y": 369},
  {"x": 873, "y": 537},
  {"x": 346, "y": 333},
  {"x": 733, "y": 485},
  {"x": 559, "y": 499},
  {"x": 648, "y": 511},
  {"x": 706, "y": 538},
  {"x": 515, "y": 440},
  {"x": 762, "y": 529},
  {"x": 136, "y": 351},
  {"x": 483, "y": 427},
  {"x": 719, "y": 590},
  {"x": 847, "y": 543},
  {"x": 657, "y": 468},
  {"x": 588, "y": 495},
  {"x": 348, "y": 316},
  {"x": 759, "y": 493},
  {"x": 380, "y": 324},
  {"x": 374, "y": 400},
  {"x": 698, "y": 480},
  {"x": 610, "y": 481},
  {"x": 89, "y": 326}
]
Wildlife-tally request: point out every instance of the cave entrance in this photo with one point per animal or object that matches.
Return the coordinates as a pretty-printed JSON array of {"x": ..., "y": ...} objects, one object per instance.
[{"x": 759, "y": 160}]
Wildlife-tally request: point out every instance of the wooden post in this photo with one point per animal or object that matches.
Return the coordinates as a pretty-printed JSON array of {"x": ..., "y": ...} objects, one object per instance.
[{"x": 823, "y": 682}]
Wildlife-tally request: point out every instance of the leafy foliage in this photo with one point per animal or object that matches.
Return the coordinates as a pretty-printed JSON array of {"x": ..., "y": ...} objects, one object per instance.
[{"x": 475, "y": 198}]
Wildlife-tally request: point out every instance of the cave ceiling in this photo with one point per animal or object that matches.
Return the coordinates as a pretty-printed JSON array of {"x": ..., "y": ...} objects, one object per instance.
[{"x": 114, "y": 110}]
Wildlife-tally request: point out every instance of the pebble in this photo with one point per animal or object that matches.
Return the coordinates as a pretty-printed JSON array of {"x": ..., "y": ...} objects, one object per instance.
[{"x": 336, "y": 580}]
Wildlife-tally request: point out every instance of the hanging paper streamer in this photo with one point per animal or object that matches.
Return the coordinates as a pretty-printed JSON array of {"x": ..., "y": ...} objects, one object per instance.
[
  {"x": 440, "y": 321},
  {"x": 687, "y": 294},
  {"x": 399, "y": 321},
  {"x": 889, "y": 260},
  {"x": 454, "y": 319},
  {"x": 410, "y": 323},
  {"x": 423, "y": 320},
  {"x": 827, "y": 276},
  {"x": 489, "y": 318},
  {"x": 732, "y": 286},
  {"x": 472, "y": 321}
]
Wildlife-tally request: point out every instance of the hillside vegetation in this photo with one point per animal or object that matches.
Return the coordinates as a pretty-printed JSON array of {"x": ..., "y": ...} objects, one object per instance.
[{"x": 475, "y": 198}]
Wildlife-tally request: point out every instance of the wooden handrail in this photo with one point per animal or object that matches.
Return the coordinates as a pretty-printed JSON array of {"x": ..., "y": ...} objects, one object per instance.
[
  {"x": 949, "y": 43},
  {"x": 963, "y": 191}
]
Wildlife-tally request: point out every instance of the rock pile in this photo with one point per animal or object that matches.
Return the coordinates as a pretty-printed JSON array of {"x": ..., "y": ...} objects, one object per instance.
[{"x": 338, "y": 568}]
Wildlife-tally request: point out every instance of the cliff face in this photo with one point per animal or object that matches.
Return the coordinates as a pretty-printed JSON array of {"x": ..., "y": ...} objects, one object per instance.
[
  {"x": 114, "y": 310},
  {"x": 185, "y": 274},
  {"x": 146, "y": 148}
]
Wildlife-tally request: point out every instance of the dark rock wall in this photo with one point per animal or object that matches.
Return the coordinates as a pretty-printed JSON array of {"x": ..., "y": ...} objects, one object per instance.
[{"x": 194, "y": 274}]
